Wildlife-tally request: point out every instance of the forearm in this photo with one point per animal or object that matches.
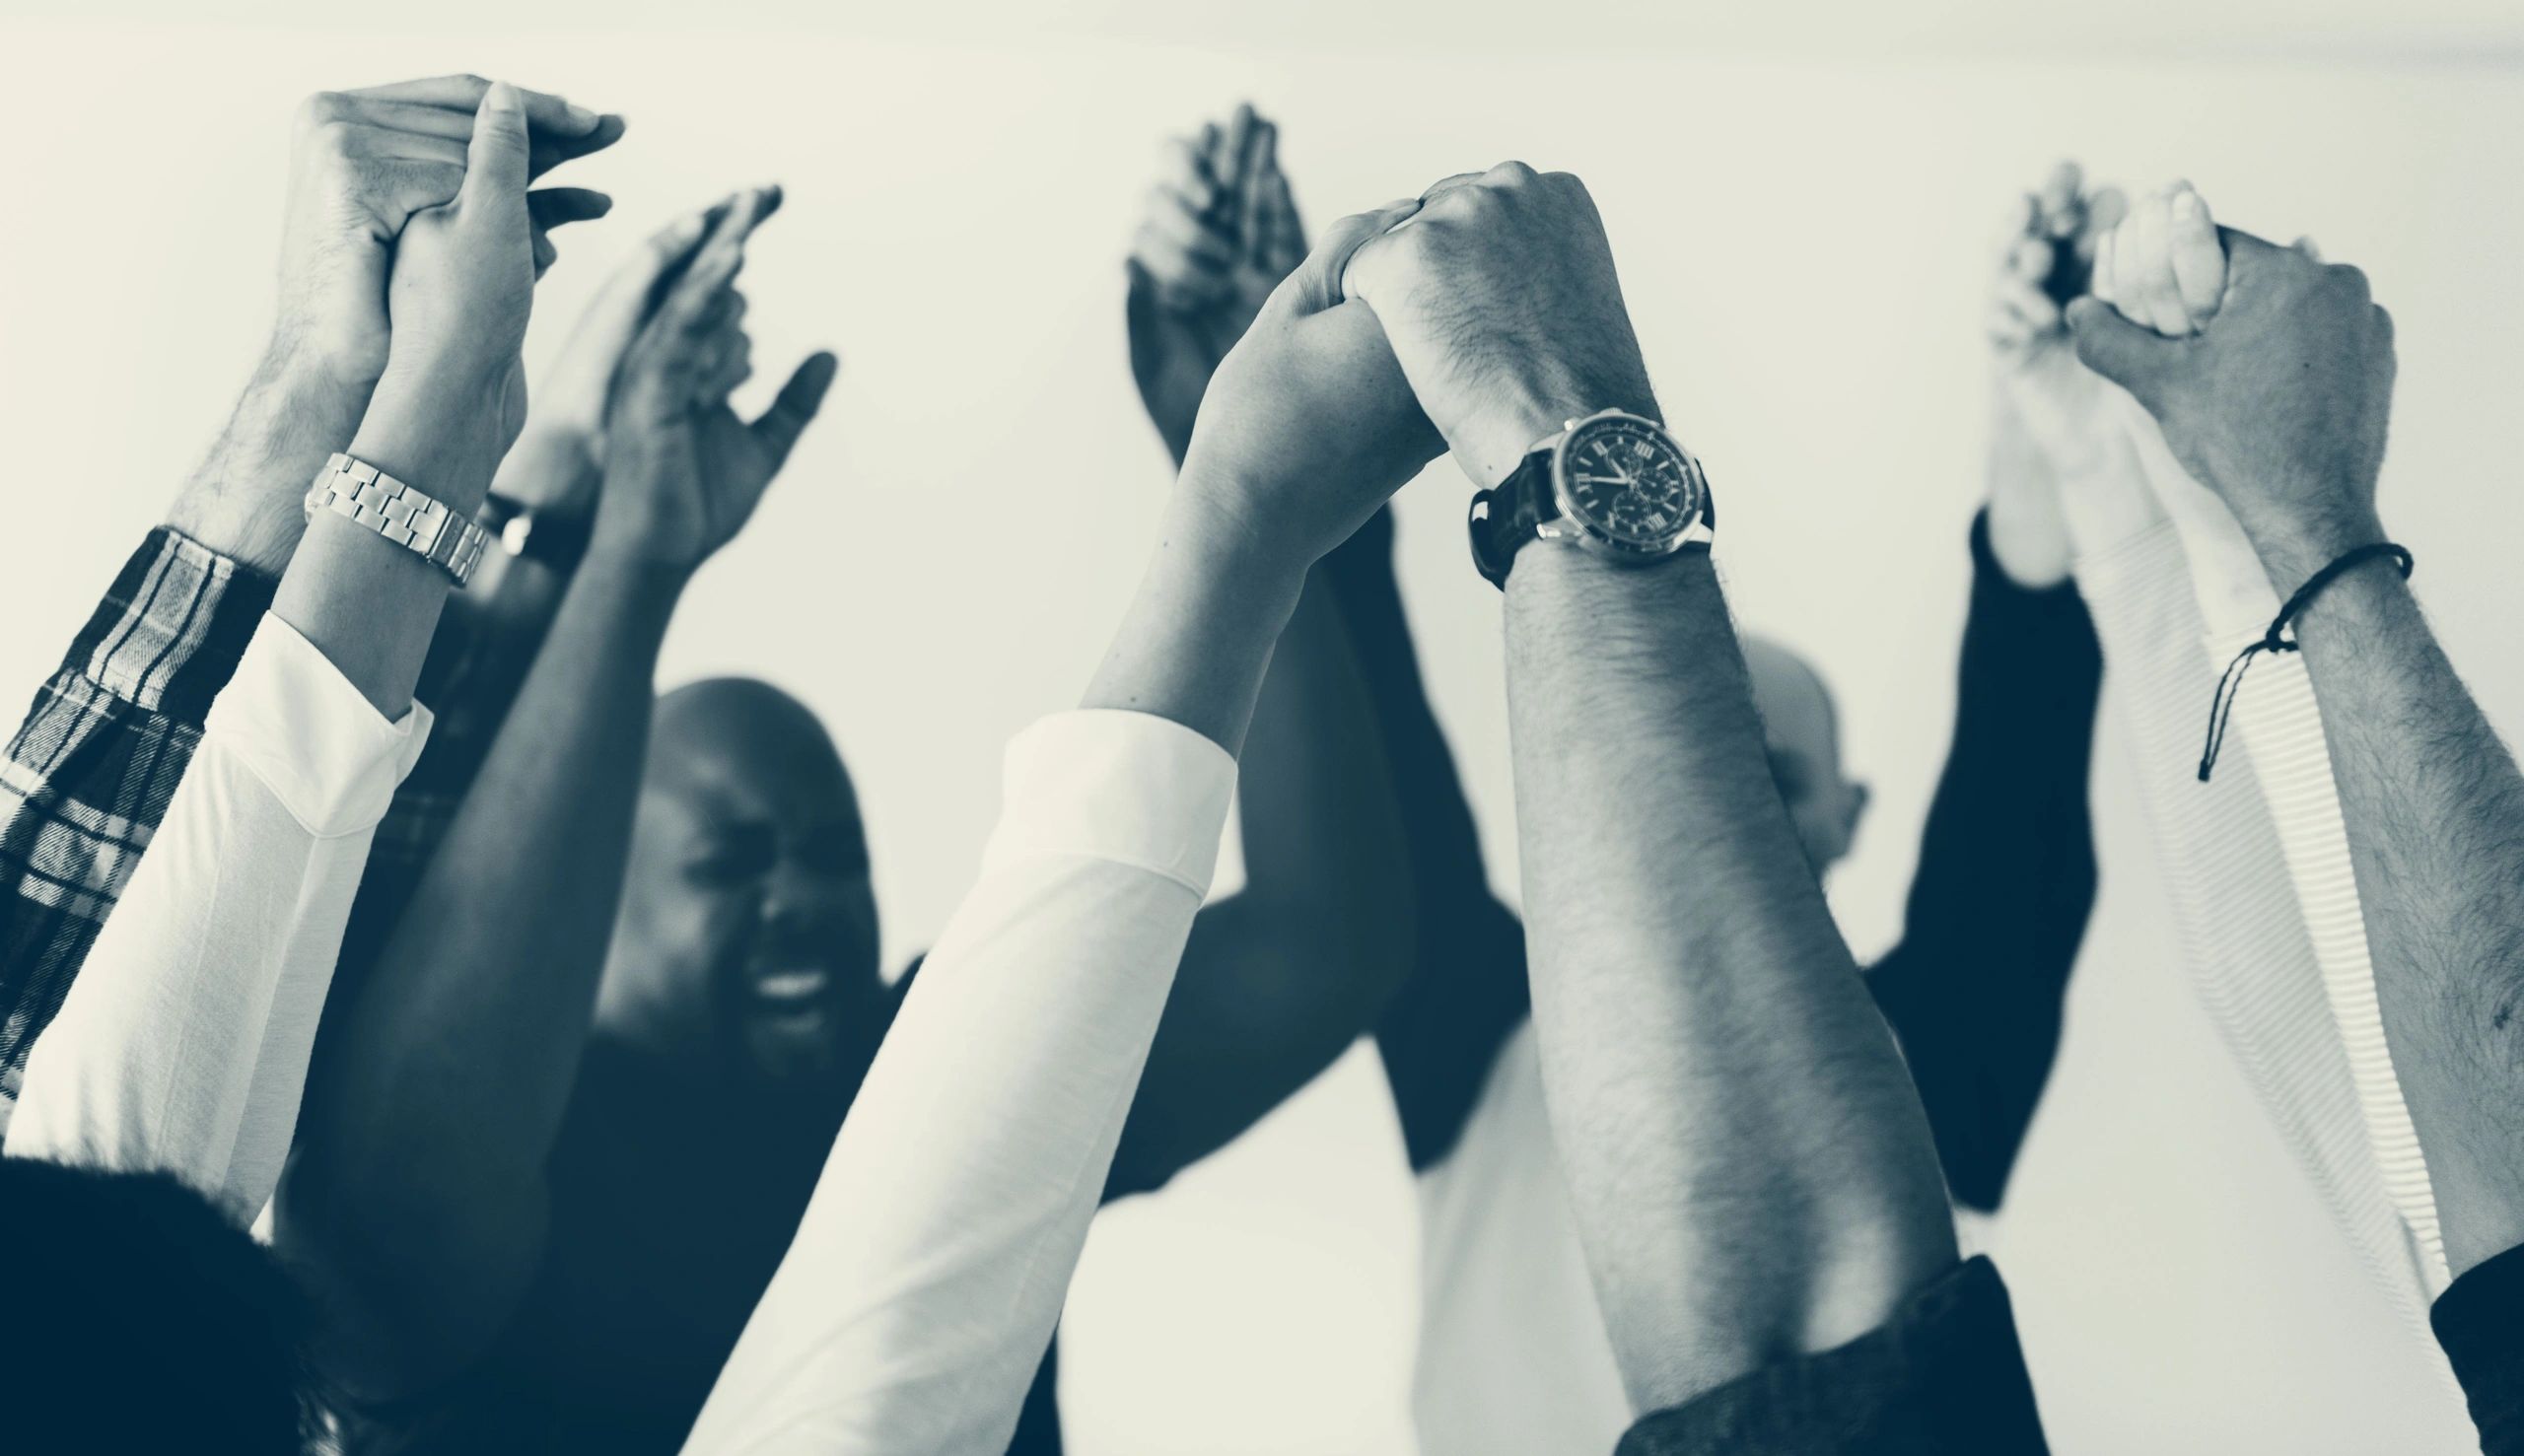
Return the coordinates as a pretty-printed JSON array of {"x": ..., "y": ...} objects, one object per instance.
[
  {"x": 2006, "y": 878},
  {"x": 244, "y": 500},
  {"x": 1279, "y": 979},
  {"x": 370, "y": 605},
  {"x": 2275, "y": 720},
  {"x": 1750, "y": 1167},
  {"x": 913, "y": 1321},
  {"x": 447, "y": 1080},
  {"x": 183, "y": 1047},
  {"x": 1467, "y": 991},
  {"x": 1198, "y": 636},
  {"x": 2434, "y": 809},
  {"x": 1321, "y": 832}
]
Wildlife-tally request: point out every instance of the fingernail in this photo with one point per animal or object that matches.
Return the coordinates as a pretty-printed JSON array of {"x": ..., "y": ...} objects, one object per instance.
[{"x": 580, "y": 117}]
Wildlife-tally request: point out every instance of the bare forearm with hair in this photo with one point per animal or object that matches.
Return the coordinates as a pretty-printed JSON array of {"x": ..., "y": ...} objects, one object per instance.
[
  {"x": 1751, "y": 1170},
  {"x": 418, "y": 1190},
  {"x": 1279, "y": 979},
  {"x": 244, "y": 500},
  {"x": 2435, "y": 815}
]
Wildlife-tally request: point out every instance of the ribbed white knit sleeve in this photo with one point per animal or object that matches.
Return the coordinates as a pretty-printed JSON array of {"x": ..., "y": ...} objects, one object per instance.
[
  {"x": 2277, "y": 722},
  {"x": 2243, "y": 934}
]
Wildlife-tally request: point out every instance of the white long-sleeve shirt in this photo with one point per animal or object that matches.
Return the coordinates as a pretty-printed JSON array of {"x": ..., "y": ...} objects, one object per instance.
[
  {"x": 184, "y": 1046},
  {"x": 2241, "y": 931},
  {"x": 2279, "y": 723},
  {"x": 929, "y": 1272}
]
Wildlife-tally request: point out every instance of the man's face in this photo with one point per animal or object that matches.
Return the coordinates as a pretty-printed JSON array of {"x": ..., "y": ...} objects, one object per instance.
[
  {"x": 747, "y": 946},
  {"x": 1803, "y": 734}
]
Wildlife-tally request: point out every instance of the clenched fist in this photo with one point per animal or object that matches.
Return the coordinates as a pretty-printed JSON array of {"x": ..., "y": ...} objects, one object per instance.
[
  {"x": 1309, "y": 425},
  {"x": 2279, "y": 404},
  {"x": 1498, "y": 296}
]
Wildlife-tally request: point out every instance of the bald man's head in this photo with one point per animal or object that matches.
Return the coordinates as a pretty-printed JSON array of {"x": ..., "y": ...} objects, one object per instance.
[
  {"x": 1801, "y": 727},
  {"x": 747, "y": 938}
]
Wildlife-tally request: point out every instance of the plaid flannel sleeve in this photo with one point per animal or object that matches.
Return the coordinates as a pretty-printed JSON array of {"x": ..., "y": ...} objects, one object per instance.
[{"x": 86, "y": 777}]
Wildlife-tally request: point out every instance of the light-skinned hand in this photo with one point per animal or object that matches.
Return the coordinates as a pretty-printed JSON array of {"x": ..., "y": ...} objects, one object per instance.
[
  {"x": 2161, "y": 267},
  {"x": 682, "y": 471},
  {"x": 1500, "y": 301},
  {"x": 2279, "y": 404},
  {"x": 2053, "y": 433},
  {"x": 1310, "y": 425},
  {"x": 1218, "y": 232},
  {"x": 362, "y": 163},
  {"x": 2169, "y": 248}
]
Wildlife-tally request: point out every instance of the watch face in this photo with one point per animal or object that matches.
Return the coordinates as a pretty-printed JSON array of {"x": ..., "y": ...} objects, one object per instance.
[{"x": 1628, "y": 481}]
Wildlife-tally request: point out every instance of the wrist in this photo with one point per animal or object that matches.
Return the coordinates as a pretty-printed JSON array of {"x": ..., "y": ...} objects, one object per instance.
[
  {"x": 630, "y": 540},
  {"x": 439, "y": 435},
  {"x": 246, "y": 500},
  {"x": 2292, "y": 549},
  {"x": 549, "y": 469},
  {"x": 1608, "y": 608},
  {"x": 1494, "y": 443},
  {"x": 1213, "y": 518}
]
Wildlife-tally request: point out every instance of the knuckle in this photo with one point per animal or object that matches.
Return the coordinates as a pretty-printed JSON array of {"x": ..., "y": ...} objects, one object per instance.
[
  {"x": 322, "y": 108},
  {"x": 1512, "y": 173}
]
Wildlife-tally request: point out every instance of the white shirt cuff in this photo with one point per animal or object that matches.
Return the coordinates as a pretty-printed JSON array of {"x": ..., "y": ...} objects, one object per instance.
[
  {"x": 297, "y": 724},
  {"x": 1105, "y": 784}
]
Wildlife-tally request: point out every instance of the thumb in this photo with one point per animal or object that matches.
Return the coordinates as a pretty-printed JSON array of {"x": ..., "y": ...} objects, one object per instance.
[
  {"x": 795, "y": 408},
  {"x": 1317, "y": 283},
  {"x": 2130, "y": 355},
  {"x": 495, "y": 164}
]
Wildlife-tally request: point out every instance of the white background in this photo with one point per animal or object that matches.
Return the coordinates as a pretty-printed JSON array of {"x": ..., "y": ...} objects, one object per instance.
[{"x": 1802, "y": 202}]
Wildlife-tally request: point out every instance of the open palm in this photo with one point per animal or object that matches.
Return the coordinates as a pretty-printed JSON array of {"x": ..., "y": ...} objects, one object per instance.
[{"x": 1220, "y": 233}]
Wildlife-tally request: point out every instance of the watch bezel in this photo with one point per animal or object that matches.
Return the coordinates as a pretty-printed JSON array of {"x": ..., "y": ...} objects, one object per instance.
[{"x": 1694, "y": 529}]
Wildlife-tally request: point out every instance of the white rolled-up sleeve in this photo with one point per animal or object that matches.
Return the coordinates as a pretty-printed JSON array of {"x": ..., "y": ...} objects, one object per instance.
[
  {"x": 929, "y": 1272},
  {"x": 184, "y": 1046}
]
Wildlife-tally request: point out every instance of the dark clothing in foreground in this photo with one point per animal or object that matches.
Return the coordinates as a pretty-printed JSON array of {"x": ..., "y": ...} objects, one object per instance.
[
  {"x": 1943, "y": 1377},
  {"x": 2480, "y": 1320},
  {"x": 1998, "y": 905}
]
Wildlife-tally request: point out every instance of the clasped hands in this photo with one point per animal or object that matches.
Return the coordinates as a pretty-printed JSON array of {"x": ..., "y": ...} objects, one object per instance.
[
  {"x": 1474, "y": 317},
  {"x": 2268, "y": 371}
]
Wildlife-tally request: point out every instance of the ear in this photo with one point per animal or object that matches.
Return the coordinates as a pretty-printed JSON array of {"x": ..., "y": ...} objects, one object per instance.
[{"x": 1854, "y": 811}]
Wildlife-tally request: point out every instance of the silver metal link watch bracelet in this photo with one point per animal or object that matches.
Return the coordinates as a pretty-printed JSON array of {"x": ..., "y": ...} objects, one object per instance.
[{"x": 358, "y": 491}]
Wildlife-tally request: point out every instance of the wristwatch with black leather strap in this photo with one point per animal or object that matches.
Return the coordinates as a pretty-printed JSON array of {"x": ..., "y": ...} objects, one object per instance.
[
  {"x": 1611, "y": 483},
  {"x": 364, "y": 495},
  {"x": 557, "y": 536}
]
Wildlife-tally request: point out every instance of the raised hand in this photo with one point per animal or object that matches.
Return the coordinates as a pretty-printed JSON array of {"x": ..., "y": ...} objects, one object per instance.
[
  {"x": 363, "y": 162},
  {"x": 1310, "y": 425},
  {"x": 2167, "y": 250},
  {"x": 2053, "y": 428},
  {"x": 2279, "y": 404},
  {"x": 1219, "y": 234},
  {"x": 2162, "y": 267},
  {"x": 560, "y": 456},
  {"x": 1498, "y": 296},
  {"x": 683, "y": 472},
  {"x": 2057, "y": 401},
  {"x": 461, "y": 290}
]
